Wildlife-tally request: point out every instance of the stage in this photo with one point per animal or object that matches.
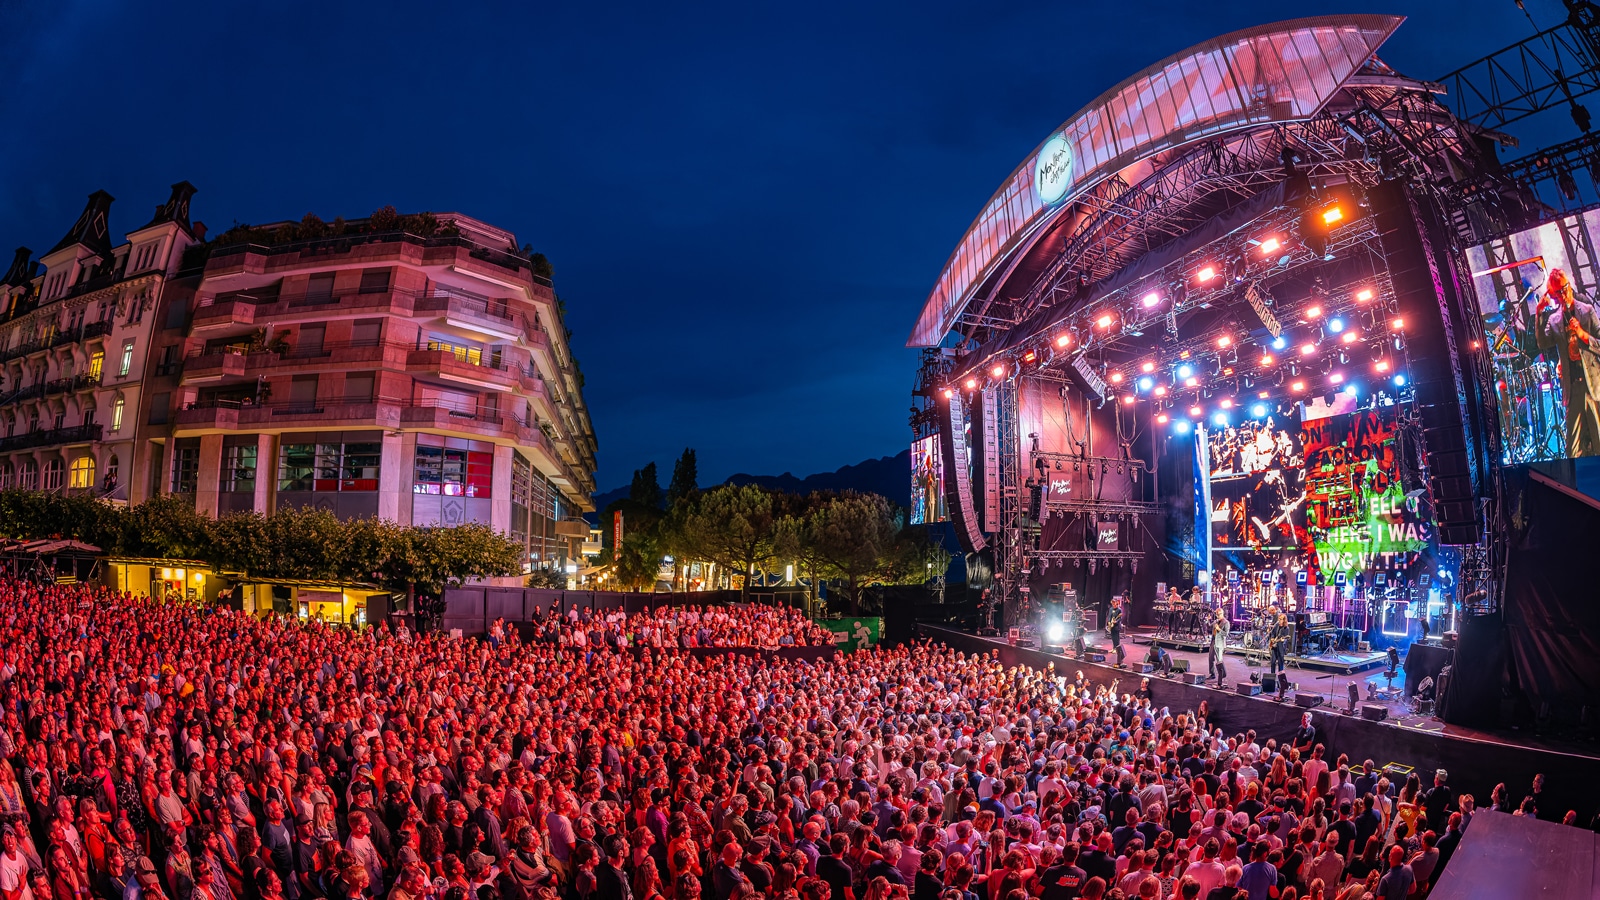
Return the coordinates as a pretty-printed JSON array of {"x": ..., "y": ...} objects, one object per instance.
[
  {"x": 1343, "y": 662},
  {"x": 1476, "y": 760}
]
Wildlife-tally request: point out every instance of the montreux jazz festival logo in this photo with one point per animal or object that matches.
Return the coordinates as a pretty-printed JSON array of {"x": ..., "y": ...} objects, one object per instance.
[{"x": 1052, "y": 171}]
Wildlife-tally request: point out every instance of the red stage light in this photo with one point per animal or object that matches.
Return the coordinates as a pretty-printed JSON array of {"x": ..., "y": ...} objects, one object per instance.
[
  {"x": 1105, "y": 321},
  {"x": 1266, "y": 359},
  {"x": 1381, "y": 365},
  {"x": 1313, "y": 312},
  {"x": 1116, "y": 377},
  {"x": 1161, "y": 390},
  {"x": 1128, "y": 399},
  {"x": 1398, "y": 324},
  {"x": 972, "y": 384},
  {"x": 1331, "y": 215},
  {"x": 1264, "y": 395},
  {"x": 1226, "y": 403},
  {"x": 1307, "y": 349},
  {"x": 1474, "y": 345},
  {"x": 1063, "y": 340},
  {"x": 1191, "y": 381},
  {"x": 1350, "y": 337},
  {"x": 1162, "y": 419},
  {"x": 1195, "y": 411},
  {"x": 948, "y": 393},
  {"x": 998, "y": 371},
  {"x": 1030, "y": 356},
  {"x": 1269, "y": 245},
  {"x": 1298, "y": 386},
  {"x": 1148, "y": 367},
  {"x": 1224, "y": 341},
  {"x": 1183, "y": 354},
  {"x": 1206, "y": 274},
  {"x": 1336, "y": 377},
  {"x": 1150, "y": 299}
]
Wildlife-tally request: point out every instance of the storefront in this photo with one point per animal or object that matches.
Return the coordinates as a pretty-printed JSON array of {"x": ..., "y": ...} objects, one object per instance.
[
  {"x": 339, "y": 604},
  {"x": 186, "y": 580}
]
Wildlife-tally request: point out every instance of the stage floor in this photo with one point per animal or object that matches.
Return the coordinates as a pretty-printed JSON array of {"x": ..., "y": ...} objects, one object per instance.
[{"x": 1342, "y": 662}]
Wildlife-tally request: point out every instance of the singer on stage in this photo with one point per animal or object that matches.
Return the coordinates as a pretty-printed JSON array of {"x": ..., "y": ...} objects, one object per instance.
[{"x": 1569, "y": 326}]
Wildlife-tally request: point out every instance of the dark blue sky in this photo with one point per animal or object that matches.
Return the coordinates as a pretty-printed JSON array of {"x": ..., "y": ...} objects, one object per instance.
[{"x": 746, "y": 204}]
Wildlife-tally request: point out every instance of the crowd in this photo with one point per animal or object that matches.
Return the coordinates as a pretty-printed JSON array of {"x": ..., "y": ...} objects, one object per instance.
[
  {"x": 683, "y": 627},
  {"x": 167, "y": 752}
]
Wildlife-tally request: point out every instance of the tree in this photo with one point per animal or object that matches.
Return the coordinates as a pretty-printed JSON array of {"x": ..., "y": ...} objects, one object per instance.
[
  {"x": 167, "y": 526},
  {"x": 732, "y": 525},
  {"x": 685, "y": 474},
  {"x": 645, "y": 490},
  {"x": 854, "y": 537}
]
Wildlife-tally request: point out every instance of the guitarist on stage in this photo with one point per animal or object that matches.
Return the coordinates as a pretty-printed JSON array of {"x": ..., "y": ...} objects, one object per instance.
[
  {"x": 1114, "y": 627},
  {"x": 1570, "y": 326},
  {"x": 1278, "y": 644},
  {"x": 1219, "y": 642}
]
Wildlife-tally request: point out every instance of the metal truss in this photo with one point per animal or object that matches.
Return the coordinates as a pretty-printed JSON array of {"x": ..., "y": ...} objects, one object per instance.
[{"x": 1551, "y": 69}]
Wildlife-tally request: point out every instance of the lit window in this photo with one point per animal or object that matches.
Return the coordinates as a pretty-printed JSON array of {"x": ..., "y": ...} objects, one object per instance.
[
  {"x": 97, "y": 361},
  {"x": 239, "y": 469},
  {"x": 453, "y": 473},
  {"x": 127, "y": 359},
  {"x": 81, "y": 474},
  {"x": 116, "y": 413}
]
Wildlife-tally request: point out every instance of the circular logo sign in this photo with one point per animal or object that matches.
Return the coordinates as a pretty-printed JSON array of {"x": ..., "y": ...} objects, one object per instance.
[{"x": 1052, "y": 172}]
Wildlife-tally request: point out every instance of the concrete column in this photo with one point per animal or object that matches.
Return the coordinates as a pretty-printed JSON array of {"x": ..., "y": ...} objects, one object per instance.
[
  {"x": 266, "y": 473},
  {"x": 209, "y": 481},
  {"x": 406, "y": 473},
  {"x": 500, "y": 489},
  {"x": 393, "y": 476}
]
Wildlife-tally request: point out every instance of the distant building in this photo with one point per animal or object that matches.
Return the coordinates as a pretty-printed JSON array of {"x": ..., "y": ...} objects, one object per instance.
[{"x": 413, "y": 368}]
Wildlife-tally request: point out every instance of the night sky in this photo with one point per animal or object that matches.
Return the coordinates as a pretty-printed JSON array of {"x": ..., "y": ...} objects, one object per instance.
[{"x": 745, "y": 204}]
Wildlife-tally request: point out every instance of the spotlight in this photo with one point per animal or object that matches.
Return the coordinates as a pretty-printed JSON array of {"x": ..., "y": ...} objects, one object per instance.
[
  {"x": 1352, "y": 390},
  {"x": 1127, "y": 399},
  {"x": 1313, "y": 312},
  {"x": 948, "y": 393},
  {"x": 1363, "y": 295},
  {"x": 1226, "y": 403},
  {"x": 1063, "y": 339},
  {"x": 1270, "y": 245},
  {"x": 1150, "y": 299},
  {"x": 1116, "y": 377},
  {"x": 1350, "y": 337},
  {"x": 1307, "y": 349},
  {"x": 1182, "y": 427},
  {"x": 1148, "y": 367},
  {"x": 1259, "y": 411},
  {"x": 1191, "y": 382},
  {"x": 1184, "y": 371},
  {"x": 1279, "y": 342},
  {"x": 1381, "y": 365},
  {"x": 1224, "y": 341},
  {"x": 1220, "y": 420},
  {"x": 1161, "y": 390},
  {"x": 1399, "y": 381},
  {"x": 998, "y": 371},
  {"x": 1105, "y": 321},
  {"x": 1195, "y": 411},
  {"x": 1030, "y": 356},
  {"x": 1206, "y": 274},
  {"x": 1266, "y": 359},
  {"x": 1146, "y": 382},
  {"x": 1298, "y": 386},
  {"x": 1398, "y": 324},
  {"x": 1335, "y": 378},
  {"x": 1335, "y": 325},
  {"x": 1332, "y": 215},
  {"x": 972, "y": 384},
  {"x": 1161, "y": 419},
  {"x": 1056, "y": 633}
]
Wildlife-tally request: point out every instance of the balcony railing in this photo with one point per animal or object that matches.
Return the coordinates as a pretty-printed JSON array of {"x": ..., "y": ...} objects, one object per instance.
[
  {"x": 77, "y": 434},
  {"x": 343, "y": 243}
]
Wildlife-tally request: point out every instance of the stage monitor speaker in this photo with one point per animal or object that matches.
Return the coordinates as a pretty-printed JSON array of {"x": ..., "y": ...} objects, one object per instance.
[
  {"x": 1374, "y": 712},
  {"x": 1194, "y": 677},
  {"x": 1094, "y": 656},
  {"x": 1146, "y": 669},
  {"x": 1309, "y": 701},
  {"x": 1180, "y": 666},
  {"x": 1247, "y": 689},
  {"x": 1091, "y": 620}
]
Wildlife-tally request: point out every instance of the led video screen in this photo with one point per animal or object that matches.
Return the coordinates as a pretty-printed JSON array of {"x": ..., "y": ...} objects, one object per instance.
[
  {"x": 1323, "y": 495},
  {"x": 927, "y": 482},
  {"x": 1546, "y": 373}
]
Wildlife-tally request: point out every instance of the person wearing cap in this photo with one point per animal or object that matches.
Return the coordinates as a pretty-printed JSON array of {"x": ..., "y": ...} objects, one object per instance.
[
  {"x": 1438, "y": 801},
  {"x": 13, "y": 868}
]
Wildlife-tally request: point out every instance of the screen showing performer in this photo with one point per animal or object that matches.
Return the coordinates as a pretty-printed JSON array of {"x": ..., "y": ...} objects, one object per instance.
[
  {"x": 1536, "y": 294},
  {"x": 927, "y": 482}
]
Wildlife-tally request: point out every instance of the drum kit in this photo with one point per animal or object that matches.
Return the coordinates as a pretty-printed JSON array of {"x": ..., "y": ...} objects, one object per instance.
[{"x": 1529, "y": 387}]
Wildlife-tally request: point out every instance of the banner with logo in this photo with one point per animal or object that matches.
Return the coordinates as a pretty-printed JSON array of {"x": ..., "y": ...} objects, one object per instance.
[{"x": 855, "y": 633}]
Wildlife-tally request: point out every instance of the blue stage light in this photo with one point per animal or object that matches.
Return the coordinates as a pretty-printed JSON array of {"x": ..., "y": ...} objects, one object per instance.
[
  {"x": 1219, "y": 419},
  {"x": 1259, "y": 411},
  {"x": 1279, "y": 342},
  {"x": 1352, "y": 390},
  {"x": 1185, "y": 370},
  {"x": 1146, "y": 382},
  {"x": 1335, "y": 325},
  {"x": 1399, "y": 381},
  {"x": 1182, "y": 427}
]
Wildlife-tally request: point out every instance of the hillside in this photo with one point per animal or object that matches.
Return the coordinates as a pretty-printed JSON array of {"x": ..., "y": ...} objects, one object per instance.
[{"x": 887, "y": 475}]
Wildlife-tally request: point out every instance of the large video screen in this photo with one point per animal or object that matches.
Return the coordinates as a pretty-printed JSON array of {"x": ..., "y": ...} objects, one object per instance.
[
  {"x": 1323, "y": 495},
  {"x": 1547, "y": 378},
  {"x": 927, "y": 482}
]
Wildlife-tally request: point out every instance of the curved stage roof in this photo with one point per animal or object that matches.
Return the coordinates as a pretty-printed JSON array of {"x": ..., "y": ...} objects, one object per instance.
[{"x": 1266, "y": 75}]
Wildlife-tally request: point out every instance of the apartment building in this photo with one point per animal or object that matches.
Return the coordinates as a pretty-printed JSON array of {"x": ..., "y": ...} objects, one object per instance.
[
  {"x": 409, "y": 367},
  {"x": 75, "y": 328}
]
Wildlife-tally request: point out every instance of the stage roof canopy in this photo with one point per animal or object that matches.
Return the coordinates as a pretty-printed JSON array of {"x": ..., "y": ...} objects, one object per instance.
[{"x": 1269, "y": 74}]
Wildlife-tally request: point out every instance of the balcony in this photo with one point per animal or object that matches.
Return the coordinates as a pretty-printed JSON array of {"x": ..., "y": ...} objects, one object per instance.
[
  {"x": 487, "y": 424},
  {"x": 439, "y": 248},
  {"x": 97, "y": 329},
  {"x": 86, "y": 382},
  {"x": 31, "y": 392},
  {"x": 473, "y": 313},
  {"x": 77, "y": 434},
  {"x": 57, "y": 386},
  {"x": 25, "y": 349},
  {"x": 226, "y": 314},
  {"x": 225, "y": 363},
  {"x": 572, "y": 528},
  {"x": 449, "y": 365},
  {"x": 227, "y": 414}
]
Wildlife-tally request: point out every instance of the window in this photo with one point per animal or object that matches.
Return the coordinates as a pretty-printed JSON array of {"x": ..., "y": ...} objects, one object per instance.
[
  {"x": 7, "y": 474},
  {"x": 320, "y": 289},
  {"x": 366, "y": 333},
  {"x": 116, "y": 413},
  {"x": 185, "y": 470},
  {"x": 28, "y": 477},
  {"x": 89, "y": 414},
  {"x": 358, "y": 387},
  {"x": 453, "y": 473},
  {"x": 239, "y": 469},
  {"x": 460, "y": 349},
  {"x": 97, "y": 362},
  {"x": 126, "y": 365},
  {"x": 111, "y": 472},
  {"x": 374, "y": 281},
  {"x": 81, "y": 475},
  {"x": 329, "y": 467},
  {"x": 53, "y": 471}
]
